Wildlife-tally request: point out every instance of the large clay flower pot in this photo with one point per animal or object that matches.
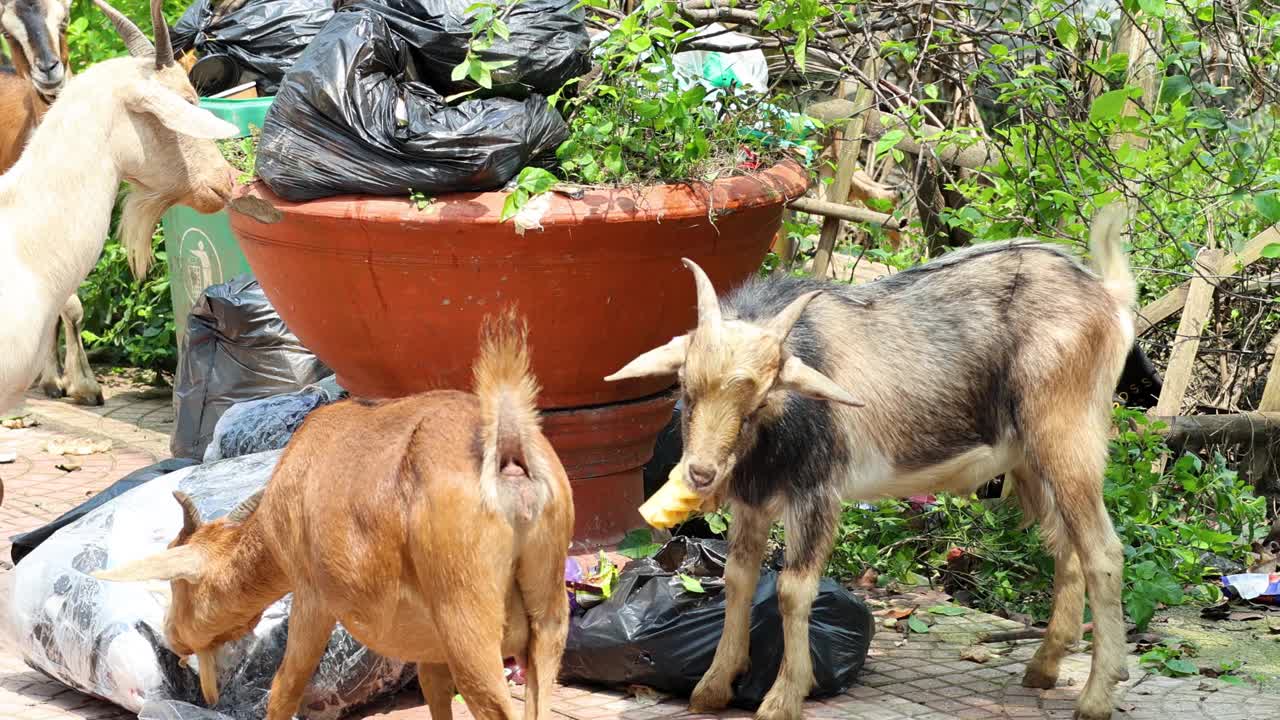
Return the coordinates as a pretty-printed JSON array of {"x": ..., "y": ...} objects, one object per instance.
[{"x": 391, "y": 296}]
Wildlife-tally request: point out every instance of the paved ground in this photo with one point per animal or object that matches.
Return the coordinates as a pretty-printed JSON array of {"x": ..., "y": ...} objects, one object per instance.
[{"x": 920, "y": 677}]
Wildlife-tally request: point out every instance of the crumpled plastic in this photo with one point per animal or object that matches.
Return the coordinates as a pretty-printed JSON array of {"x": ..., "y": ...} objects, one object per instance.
[
  {"x": 268, "y": 423},
  {"x": 1254, "y": 587},
  {"x": 26, "y": 542},
  {"x": 654, "y": 632},
  {"x": 107, "y": 639},
  {"x": 263, "y": 36},
  {"x": 355, "y": 115},
  {"x": 237, "y": 348}
]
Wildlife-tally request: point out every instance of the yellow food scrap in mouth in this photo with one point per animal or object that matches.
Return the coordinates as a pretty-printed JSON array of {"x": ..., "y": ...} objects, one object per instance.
[{"x": 673, "y": 503}]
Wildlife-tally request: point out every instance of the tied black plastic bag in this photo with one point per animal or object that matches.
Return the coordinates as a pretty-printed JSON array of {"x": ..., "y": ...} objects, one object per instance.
[
  {"x": 548, "y": 43},
  {"x": 263, "y": 36},
  {"x": 237, "y": 348},
  {"x": 26, "y": 542},
  {"x": 654, "y": 632},
  {"x": 267, "y": 424},
  {"x": 352, "y": 116},
  {"x": 107, "y": 638}
]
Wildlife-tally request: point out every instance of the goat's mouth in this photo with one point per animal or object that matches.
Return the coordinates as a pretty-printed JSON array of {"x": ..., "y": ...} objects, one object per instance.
[{"x": 47, "y": 91}]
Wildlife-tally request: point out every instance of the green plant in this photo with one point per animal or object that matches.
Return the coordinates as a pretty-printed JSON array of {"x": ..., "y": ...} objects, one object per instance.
[
  {"x": 488, "y": 23},
  {"x": 127, "y": 321},
  {"x": 1170, "y": 658},
  {"x": 242, "y": 153}
]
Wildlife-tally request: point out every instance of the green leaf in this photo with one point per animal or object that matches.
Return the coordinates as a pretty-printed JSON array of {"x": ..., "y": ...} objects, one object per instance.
[
  {"x": 1174, "y": 87},
  {"x": 501, "y": 30},
  {"x": 1068, "y": 35},
  {"x": 998, "y": 50},
  {"x": 949, "y": 610},
  {"x": 510, "y": 207},
  {"x": 799, "y": 52},
  {"x": 1179, "y": 666},
  {"x": 638, "y": 544},
  {"x": 917, "y": 625},
  {"x": 640, "y": 43},
  {"x": 889, "y": 140},
  {"x": 1155, "y": 8},
  {"x": 460, "y": 70},
  {"x": 1268, "y": 204},
  {"x": 1108, "y": 105},
  {"x": 1272, "y": 251},
  {"x": 692, "y": 584},
  {"x": 483, "y": 76}
]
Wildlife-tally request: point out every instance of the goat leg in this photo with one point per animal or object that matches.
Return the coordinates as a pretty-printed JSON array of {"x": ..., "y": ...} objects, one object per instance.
[
  {"x": 78, "y": 380},
  {"x": 437, "y": 689},
  {"x": 747, "y": 536},
  {"x": 810, "y": 524},
  {"x": 309, "y": 629},
  {"x": 50, "y": 381}
]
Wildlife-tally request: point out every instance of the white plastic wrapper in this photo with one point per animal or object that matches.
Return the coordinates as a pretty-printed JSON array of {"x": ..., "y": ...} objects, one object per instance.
[{"x": 107, "y": 639}]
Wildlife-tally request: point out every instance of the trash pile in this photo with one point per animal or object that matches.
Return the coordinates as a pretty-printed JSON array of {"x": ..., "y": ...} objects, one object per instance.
[
  {"x": 663, "y": 616},
  {"x": 365, "y": 109}
]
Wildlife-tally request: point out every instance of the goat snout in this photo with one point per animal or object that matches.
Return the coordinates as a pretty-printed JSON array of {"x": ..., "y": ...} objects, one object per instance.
[{"x": 701, "y": 477}]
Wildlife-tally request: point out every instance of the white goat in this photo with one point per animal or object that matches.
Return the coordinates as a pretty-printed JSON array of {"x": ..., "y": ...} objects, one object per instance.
[{"x": 129, "y": 119}]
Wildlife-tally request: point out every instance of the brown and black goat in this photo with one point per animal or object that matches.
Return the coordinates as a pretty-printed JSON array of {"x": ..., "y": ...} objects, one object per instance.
[
  {"x": 434, "y": 528},
  {"x": 36, "y": 34},
  {"x": 999, "y": 358}
]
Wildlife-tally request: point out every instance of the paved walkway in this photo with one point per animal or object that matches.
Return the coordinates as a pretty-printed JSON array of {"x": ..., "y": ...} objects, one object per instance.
[{"x": 921, "y": 676}]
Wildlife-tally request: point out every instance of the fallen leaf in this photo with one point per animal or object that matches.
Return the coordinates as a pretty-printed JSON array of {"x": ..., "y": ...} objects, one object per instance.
[
  {"x": 917, "y": 625},
  {"x": 19, "y": 422},
  {"x": 977, "y": 653},
  {"x": 644, "y": 695},
  {"x": 8, "y": 457},
  {"x": 68, "y": 465},
  {"x": 899, "y": 612},
  {"x": 949, "y": 610},
  {"x": 868, "y": 579},
  {"x": 79, "y": 446}
]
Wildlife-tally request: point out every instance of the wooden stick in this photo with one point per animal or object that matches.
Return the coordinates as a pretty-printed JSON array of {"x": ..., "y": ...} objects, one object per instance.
[
  {"x": 1196, "y": 431},
  {"x": 1271, "y": 391},
  {"x": 973, "y": 157},
  {"x": 844, "y": 212},
  {"x": 849, "y": 141},
  {"x": 1035, "y": 633},
  {"x": 1172, "y": 302},
  {"x": 1194, "y": 316}
]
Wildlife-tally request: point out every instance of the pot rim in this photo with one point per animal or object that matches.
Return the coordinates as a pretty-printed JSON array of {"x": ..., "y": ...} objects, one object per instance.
[{"x": 774, "y": 185}]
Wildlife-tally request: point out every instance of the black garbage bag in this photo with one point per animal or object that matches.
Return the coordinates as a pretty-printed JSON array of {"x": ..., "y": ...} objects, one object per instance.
[
  {"x": 263, "y": 36},
  {"x": 654, "y": 632},
  {"x": 353, "y": 117},
  {"x": 107, "y": 638},
  {"x": 548, "y": 43},
  {"x": 267, "y": 424},
  {"x": 237, "y": 348},
  {"x": 26, "y": 542}
]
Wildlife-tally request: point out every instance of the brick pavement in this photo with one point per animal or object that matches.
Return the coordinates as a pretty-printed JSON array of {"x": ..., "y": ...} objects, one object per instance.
[{"x": 922, "y": 677}]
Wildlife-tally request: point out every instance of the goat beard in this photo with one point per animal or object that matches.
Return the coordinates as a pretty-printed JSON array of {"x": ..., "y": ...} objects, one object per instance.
[{"x": 142, "y": 211}]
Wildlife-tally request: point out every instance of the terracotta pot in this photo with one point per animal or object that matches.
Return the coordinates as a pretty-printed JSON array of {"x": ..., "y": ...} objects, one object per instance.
[{"x": 391, "y": 297}]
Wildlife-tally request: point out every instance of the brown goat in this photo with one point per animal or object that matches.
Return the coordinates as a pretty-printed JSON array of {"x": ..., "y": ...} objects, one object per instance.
[
  {"x": 434, "y": 528},
  {"x": 998, "y": 358}
]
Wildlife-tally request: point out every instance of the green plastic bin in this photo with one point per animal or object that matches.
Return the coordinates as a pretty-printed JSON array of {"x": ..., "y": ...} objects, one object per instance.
[{"x": 202, "y": 249}]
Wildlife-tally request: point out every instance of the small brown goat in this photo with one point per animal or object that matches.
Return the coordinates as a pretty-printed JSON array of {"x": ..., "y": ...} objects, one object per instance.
[
  {"x": 999, "y": 358},
  {"x": 434, "y": 528}
]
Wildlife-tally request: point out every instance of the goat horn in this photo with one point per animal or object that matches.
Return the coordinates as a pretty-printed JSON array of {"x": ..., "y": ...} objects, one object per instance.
[
  {"x": 190, "y": 514},
  {"x": 708, "y": 303},
  {"x": 134, "y": 40},
  {"x": 782, "y": 323},
  {"x": 164, "y": 48},
  {"x": 246, "y": 508}
]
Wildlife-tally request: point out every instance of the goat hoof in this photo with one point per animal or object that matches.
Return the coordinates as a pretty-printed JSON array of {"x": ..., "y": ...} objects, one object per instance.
[
  {"x": 775, "y": 708},
  {"x": 1086, "y": 715},
  {"x": 52, "y": 390},
  {"x": 91, "y": 399},
  {"x": 1035, "y": 678},
  {"x": 708, "y": 699}
]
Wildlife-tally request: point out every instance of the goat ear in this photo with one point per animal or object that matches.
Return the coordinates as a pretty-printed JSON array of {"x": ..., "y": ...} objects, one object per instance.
[
  {"x": 184, "y": 562},
  {"x": 800, "y": 378},
  {"x": 177, "y": 114},
  {"x": 659, "y": 362}
]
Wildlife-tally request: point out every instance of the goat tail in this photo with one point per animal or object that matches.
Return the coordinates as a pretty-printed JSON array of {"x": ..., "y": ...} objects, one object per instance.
[
  {"x": 1106, "y": 244},
  {"x": 513, "y": 469}
]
